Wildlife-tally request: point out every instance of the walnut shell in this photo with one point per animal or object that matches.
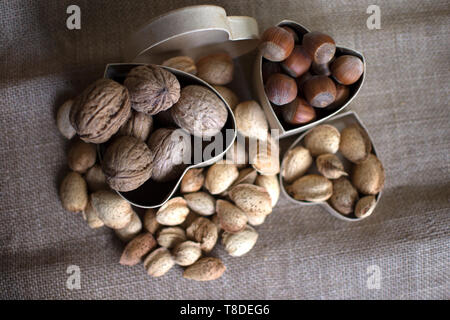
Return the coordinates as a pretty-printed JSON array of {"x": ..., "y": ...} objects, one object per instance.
[
  {"x": 183, "y": 63},
  {"x": 199, "y": 111},
  {"x": 127, "y": 163},
  {"x": 152, "y": 89},
  {"x": 170, "y": 147},
  {"x": 139, "y": 125},
  {"x": 100, "y": 110},
  {"x": 216, "y": 68}
]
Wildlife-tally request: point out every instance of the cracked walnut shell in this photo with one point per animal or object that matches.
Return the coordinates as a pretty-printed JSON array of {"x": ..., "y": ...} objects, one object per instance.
[
  {"x": 127, "y": 164},
  {"x": 152, "y": 89},
  {"x": 100, "y": 110}
]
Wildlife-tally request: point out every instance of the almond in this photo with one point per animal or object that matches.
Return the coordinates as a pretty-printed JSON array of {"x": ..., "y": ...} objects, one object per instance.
[
  {"x": 231, "y": 218},
  {"x": 192, "y": 181},
  {"x": 295, "y": 163},
  {"x": 112, "y": 209},
  {"x": 137, "y": 248},
  {"x": 253, "y": 200},
  {"x": 220, "y": 176},
  {"x": 322, "y": 139},
  {"x": 201, "y": 203},
  {"x": 205, "y": 269},
  {"x": 173, "y": 212},
  {"x": 311, "y": 187},
  {"x": 330, "y": 166},
  {"x": 344, "y": 196},
  {"x": 150, "y": 223},
  {"x": 159, "y": 262},
  {"x": 73, "y": 192},
  {"x": 368, "y": 176},
  {"x": 247, "y": 175},
  {"x": 365, "y": 206},
  {"x": 131, "y": 229},
  {"x": 203, "y": 231},
  {"x": 95, "y": 179},
  {"x": 355, "y": 143},
  {"x": 265, "y": 156},
  {"x": 186, "y": 253},
  {"x": 92, "y": 218},
  {"x": 170, "y": 237},
  {"x": 238, "y": 244},
  {"x": 251, "y": 121},
  {"x": 271, "y": 184}
]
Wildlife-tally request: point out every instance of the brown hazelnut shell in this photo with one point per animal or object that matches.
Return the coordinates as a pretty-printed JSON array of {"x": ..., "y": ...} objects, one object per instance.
[
  {"x": 276, "y": 44},
  {"x": 298, "y": 112},
  {"x": 319, "y": 91},
  {"x": 321, "y": 47},
  {"x": 297, "y": 63},
  {"x": 347, "y": 69},
  {"x": 281, "y": 89}
]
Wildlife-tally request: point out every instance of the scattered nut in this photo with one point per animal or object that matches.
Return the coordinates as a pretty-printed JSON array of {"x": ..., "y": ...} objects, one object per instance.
[
  {"x": 81, "y": 156},
  {"x": 139, "y": 126},
  {"x": 205, "y": 269},
  {"x": 253, "y": 200},
  {"x": 199, "y": 111},
  {"x": 170, "y": 147},
  {"x": 311, "y": 187},
  {"x": 114, "y": 211},
  {"x": 237, "y": 155},
  {"x": 152, "y": 89},
  {"x": 238, "y": 244},
  {"x": 216, "y": 68},
  {"x": 192, "y": 181},
  {"x": 322, "y": 139},
  {"x": 271, "y": 184},
  {"x": 186, "y": 253},
  {"x": 73, "y": 192},
  {"x": 276, "y": 44},
  {"x": 256, "y": 220},
  {"x": 344, "y": 196},
  {"x": 330, "y": 166},
  {"x": 229, "y": 96},
  {"x": 203, "y": 231},
  {"x": 220, "y": 176},
  {"x": 183, "y": 63},
  {"x": 368, "y": 176},
  {"x": 201, "y": 203},
  {"x": 127, "y": 163},
  {"x": 131, "y": 229},
  {"x": 247, "y": 175},
  {"x": 63, "y": 120},
  {"x": 355, "y": 144},
  {"x": 173, "y": 212},
  {"x": 265, "y": 158},
  {"x": 92, "y": 218},
  {"x": 150, "y": 222},
  {"x": 231, "y": 218},
  {"x": 95, "y": 179},
  {"x": 100, "y": 110},
  {"x": 170, "y": 237},
  {"x": 137, "y": 248},
  {"x": 365, "y": 206},
  {"x": 295, "y": 163},
  {"x": 159, "y": 262},
  {"x": 251, "y": 121}
]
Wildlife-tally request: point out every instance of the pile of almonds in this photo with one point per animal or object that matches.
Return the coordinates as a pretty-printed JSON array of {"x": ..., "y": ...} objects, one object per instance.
[
  {"x": 302, "y": 74},
  {"x": 224, "y": 200},
  {"x": 352, "y": 195}
]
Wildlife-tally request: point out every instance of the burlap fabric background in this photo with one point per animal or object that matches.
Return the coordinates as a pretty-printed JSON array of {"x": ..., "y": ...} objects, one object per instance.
[{"x": 302, "y": 252}]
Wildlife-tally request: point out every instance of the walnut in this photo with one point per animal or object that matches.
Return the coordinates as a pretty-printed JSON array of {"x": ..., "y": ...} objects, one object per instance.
[
  {"x": 199, "y": 111},
  {"x": 127, "y": 163},
  {"x": 139, "y": 125},
  {"x": 170, "y": 147},
  {"x": 152, "y": 89},
  {"x": 100, "y": 110}
]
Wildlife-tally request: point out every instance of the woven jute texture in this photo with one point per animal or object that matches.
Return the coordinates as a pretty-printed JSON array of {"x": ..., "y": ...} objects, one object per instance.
[{"x": 302, "y": 253}]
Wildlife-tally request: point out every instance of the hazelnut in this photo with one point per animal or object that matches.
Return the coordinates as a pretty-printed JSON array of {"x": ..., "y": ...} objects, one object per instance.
[
  {"x": 127, "y": 163},
  {"x": 368, "y": 176},
  {"x": 73, "y": 192},
  {"x": 192, "y": 181},
  {"x": 238, "y": 244},
  {"x": 271, "y": 184},
  {"x": 301, "y": 81},
  {"x": 276, "y": 44},
  {"x": 298, "y": 112},
  {"x": 200, "y": 111},
  {"x": 281, "y": 89},
  {"x": 312, "y": 187},
  {"x": 150, "y": 222},
  {"x": 220, "y": 176},
  {"x": 295, "y": 163},
  {"x": 216, "y": 68},
  {"x": 342, "y": 95},
  {"x": 171, "y": 236},
  {"x": 63, "y": 120},
  {"x": 170, "y": 148},
  {"x": 205, "y": 269},
  {"x": 201, "y": 203},
  {"x": 250, "y": 120},
  {"x": 152, "y": 89},
  {"x": 347, "y": 69},
  {"x": 137, "y": 248},
  {"x": 297, "y": 63},
  {"x": 173, "y": 212},
  {"x": 321, "y": 47},
  {"x": 321, "y": 69},
  {"x": 100, "y": 110},
  {"x": 269, "y": 68},
  {"x": 112, "y": 209},
  {"x": 291, "y": 31},
  {"x": 365, "y": 206},
  {"x": 355, "y": 143},
  {"x": 322, "y": 139},
  {"x": 330, "y": 166},
  {"x": 229, "y": 96},
  {"x": 186, "y": 253},
  {"x": 95, "y": 179},
  {"x": 159, "y": 262},
  {"x": 203, "y": 231},
  {"x": 81, "y": 156},
  {"x": 319, "y": 91},
  {"x": 131, "y": 230},
  {"x": 231, "y": 218},
  {"x": 183, "y": 63},
  {"x": 344, "y": 196},
  {"x": 139, "y": 125},
  {"x": 253, "y": 200}
]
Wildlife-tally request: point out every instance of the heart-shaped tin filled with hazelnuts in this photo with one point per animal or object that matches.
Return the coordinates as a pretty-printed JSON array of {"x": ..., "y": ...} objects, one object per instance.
[
  {"x": 334, "y": 165},
  {"x": 167, "y": 140},
  {"x": 303, "y": 78}
]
